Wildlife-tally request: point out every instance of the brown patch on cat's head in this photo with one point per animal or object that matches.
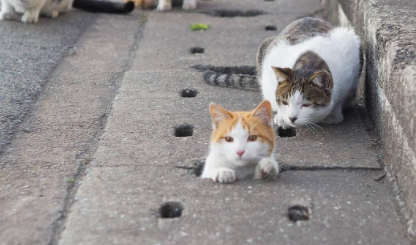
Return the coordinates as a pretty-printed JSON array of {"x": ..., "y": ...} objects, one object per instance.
[
  {"x": 316, "y": 88},
  {"x": 257, "y": 122}
]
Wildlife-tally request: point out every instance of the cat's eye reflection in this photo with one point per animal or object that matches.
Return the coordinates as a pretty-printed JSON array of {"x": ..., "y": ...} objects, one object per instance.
[
  {"x": 229, "y": 139},
  {"x": 252, "y": 138}
]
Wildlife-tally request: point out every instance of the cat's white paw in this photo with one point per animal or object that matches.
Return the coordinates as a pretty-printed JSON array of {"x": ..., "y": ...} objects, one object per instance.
[
  {"x": 164, "y": 6},
  {"x": 30, "y": 17},
  {"x": 267, "y": 167},
  {"x": 189, "y": 4},
  {"x": 334, "y": 119},
  {"x": 224, "y": 175},
  {"x": 52, "y": 14},
  {"x": 278, "y": 120}
]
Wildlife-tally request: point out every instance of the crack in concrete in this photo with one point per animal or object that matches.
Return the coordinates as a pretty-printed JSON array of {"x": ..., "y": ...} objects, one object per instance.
[
  {"x": 36, "y": 96},
  {"x": 287, "y": 167},
  {"x": 87, "y": 155}
]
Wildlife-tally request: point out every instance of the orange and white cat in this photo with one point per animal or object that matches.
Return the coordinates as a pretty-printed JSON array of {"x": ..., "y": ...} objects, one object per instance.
[{"x": 242, "y": 145}]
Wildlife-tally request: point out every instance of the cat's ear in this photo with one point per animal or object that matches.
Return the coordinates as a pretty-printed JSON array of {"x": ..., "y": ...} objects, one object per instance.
[
  {"x": 323, "y": 80},
  {"x": 218, "y": 114},
  {"x": 264, "y": 112},
  {"x": 283, "y": 74}
]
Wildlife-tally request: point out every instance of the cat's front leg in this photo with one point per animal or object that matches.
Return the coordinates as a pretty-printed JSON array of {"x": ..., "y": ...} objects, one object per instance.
[
  {"x": 164, "y": 5},
  {"x": 7, "y": 11},
  {"x": 267, "y": 167},
  {"x": 223, "y": 175},
  {"x": 31, "y": 16},
  {"x": 335, "y": 117},
  {"x": 189, "y": 4},
  {"x": 278, "y": 120}
]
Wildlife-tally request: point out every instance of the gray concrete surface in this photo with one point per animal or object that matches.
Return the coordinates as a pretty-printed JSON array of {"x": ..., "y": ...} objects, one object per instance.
[
  {"x": 28, "y": 55},
  {"x": 139, "y": 162},
  {"x": 387, "y": 28},
  {"x": 59, "y": 135},
  {"x": 96, "y": 156}
]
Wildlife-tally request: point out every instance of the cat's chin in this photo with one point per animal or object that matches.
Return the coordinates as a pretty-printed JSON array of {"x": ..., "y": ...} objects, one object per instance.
[{"x": 245, "y": 162}]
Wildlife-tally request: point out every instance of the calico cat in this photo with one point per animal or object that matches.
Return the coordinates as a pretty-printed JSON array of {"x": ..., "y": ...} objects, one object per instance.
[
  {"x": 163, "y": 5},
  {"x": 31, "y": 9},
  {"x": 242, "y": 145},
  {"x": 309, "y": 72}
]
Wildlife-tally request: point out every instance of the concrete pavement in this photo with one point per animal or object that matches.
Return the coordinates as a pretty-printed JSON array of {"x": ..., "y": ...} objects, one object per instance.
[{"x": 95, "y": 160}]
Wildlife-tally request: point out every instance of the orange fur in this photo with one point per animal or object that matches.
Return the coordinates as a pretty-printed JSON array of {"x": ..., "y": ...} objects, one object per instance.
[{"x": 249, "y": 120}]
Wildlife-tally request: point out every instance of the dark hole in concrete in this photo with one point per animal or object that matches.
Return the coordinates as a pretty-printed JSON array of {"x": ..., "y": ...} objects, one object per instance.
[
  {"x": 197, "y": 50},
  {"x": 234, "y": 13},
  {"x": 170, "y": 210},
  {"x": 290, "y": 132},
  {"x": 270, "y": 28},
  {"x": 184, "y": 130},
  {"x": 298, "y": 212},
  {"x": 199, "y": 167},
  {"x": 244, "y": 70},
  {"x": 189, "y": 93}
]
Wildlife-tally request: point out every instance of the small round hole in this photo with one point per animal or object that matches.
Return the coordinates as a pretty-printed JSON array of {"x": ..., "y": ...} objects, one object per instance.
[
  {"x": 270, "y": 28},
  {"x": 184, "y": 131},
  {"x": 199, "y": 167},
  {"x": 290, "y": 132},
  {"x": 189, "y": 93},
  {"x": 298, "y": 212},
  {"x": 170, "y": 210},
  {"x": 197, "y": 50}
]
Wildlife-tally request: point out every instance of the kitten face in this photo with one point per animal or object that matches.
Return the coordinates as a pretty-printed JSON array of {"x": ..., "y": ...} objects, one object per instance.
[
  {"x": 242, "y": 137},
  {"x": 303, "y": 96}
]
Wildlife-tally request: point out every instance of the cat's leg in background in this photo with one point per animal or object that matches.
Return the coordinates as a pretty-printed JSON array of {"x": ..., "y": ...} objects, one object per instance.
[
  {"x": 335, "y": 116},
  {"x": 164, "y": 5},
  {"x": 7, "y": 11},
  {"x": 31, "y": 16},
  {"x": 189, "y": 4},
  {"x": 267, "y": 167},
  {"x": 48, "y": 11},
  {"x": 32, "y": 11}
]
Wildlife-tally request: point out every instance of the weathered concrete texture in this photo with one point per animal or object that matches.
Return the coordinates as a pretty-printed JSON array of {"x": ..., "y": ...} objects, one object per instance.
[
  {"x": 138, "y": 163},
  {"x": 28, "y": 54},
  {"x": 388, "y": 32},
  {"x": 52, "y": 146},
  {"x": 119, "y": 205}
]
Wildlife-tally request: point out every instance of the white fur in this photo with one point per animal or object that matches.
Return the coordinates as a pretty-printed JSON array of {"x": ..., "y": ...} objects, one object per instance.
[
  {"x": 31, "y": 9},
  {"x": 164, "y": 5},
  {"x": 340, "y": 50},
  {"x": 225, "y": 165}
]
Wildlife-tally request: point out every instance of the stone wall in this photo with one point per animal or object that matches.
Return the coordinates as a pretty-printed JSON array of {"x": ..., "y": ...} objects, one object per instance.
[{"x": 388, "y": 88}]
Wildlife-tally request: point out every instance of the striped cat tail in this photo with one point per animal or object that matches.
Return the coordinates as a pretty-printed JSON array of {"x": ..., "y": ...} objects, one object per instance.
[{"x": 231, "y": 80}]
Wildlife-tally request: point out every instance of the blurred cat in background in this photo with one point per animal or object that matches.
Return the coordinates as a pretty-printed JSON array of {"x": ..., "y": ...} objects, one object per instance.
[{"x": 29, "y": 10}]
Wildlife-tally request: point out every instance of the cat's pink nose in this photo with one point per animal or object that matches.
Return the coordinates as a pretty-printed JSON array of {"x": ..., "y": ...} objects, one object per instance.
[{"x": 240, "y": 153}]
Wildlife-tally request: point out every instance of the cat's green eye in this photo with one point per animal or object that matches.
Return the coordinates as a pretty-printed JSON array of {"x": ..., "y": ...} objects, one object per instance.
[
  {"x": 229, "y": 139},
  {"x": 306, "y": 105},
  {"x": 284, "y": 102},
  {"x": 252, "y": 138}
]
